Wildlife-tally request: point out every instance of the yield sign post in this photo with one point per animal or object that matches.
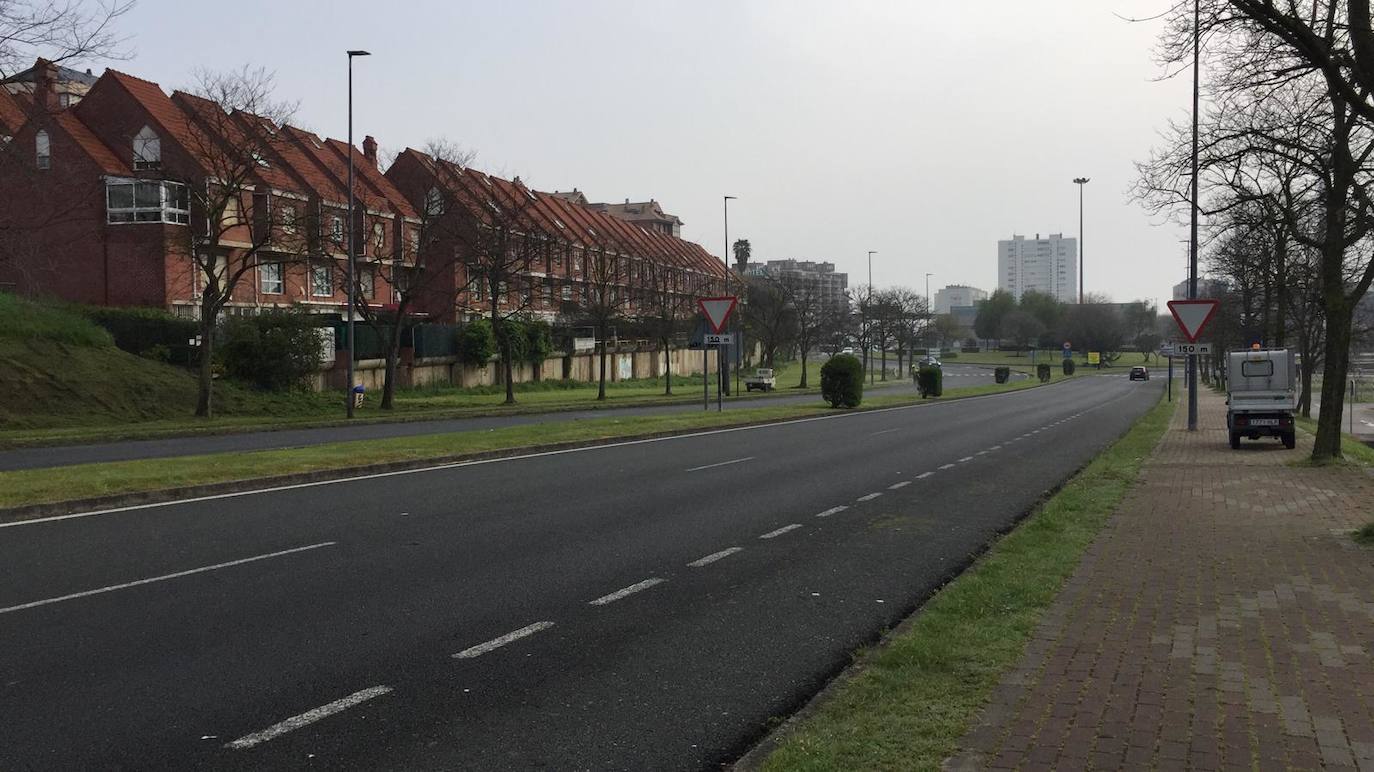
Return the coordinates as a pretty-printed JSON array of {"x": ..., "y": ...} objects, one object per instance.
[
  {"x": 717, "y": 311},
  {"x": 1193, "y": 315}
]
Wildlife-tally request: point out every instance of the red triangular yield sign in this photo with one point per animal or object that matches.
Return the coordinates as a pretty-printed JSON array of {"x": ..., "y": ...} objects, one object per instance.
[
  {"x": 1193, "y": 315},
  {"x": 717, "y": 311}
]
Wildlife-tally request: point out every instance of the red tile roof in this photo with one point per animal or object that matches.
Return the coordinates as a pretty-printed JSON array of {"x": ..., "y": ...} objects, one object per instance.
[
  {"x": 151, "y": 98},
  {"x": 98, "y": 151},
  {"x": 366, "y": 171},
  {"x": 12, "y": 114}
]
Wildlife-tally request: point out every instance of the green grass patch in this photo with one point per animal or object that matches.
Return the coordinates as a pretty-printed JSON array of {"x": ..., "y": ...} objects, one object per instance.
[
  {"x": 1352, "y": 450},
  {"x": 913, "y": 697},
  {"x": 24, "y": 320},
  {"x": 38, "y": 486}
]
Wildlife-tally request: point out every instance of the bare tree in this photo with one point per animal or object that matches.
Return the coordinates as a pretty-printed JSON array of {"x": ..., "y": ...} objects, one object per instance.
[
  {"x": 58, "y": 30},
  {"x": 605, "y": 297},
  {"x": 427, "y": 280},
  {"x": 810, "y": 314},
  {"x": 666, "y": 305},
  {"x": 236, "y": 223},
  {"x": 767, "y": 316}
]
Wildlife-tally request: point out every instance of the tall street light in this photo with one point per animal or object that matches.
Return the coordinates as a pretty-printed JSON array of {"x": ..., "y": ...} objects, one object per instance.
[
  {"x": 1080, "y": 181},
  {"x": 352, "y": 252},
  {"x": 724, "y": 378},
  {"x": 868, "y": 344},
  {"x": 1192, "y": 220},
  {"x": 930, "y": 309}
]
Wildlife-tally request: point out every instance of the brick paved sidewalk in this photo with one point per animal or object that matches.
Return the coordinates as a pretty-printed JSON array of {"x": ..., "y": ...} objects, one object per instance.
[{"x": 1222, "y": 620}]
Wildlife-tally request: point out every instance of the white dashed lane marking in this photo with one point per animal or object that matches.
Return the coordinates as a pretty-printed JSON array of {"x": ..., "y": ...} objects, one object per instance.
[
  {"x": 947, "y": 466},
  {"x": 306, "y": 718},
  {"x": 714, "y": 556},
  {"x": 965, "y": 458},
  {"x": 627, "y": 591},
  {"x": 722, "y": 463},
  {"x": 869, "y": 497},
  {"x": 780, "y": 531},
  {"x": 902, "y": 484},
  {"x": 496, "y": 643},
  {"x": 831, "y": 511},
  {"x": 924, "y": 475}
]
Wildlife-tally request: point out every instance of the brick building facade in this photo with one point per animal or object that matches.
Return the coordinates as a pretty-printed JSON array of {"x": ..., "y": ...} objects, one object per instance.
[{"x": 103, "y": 200}]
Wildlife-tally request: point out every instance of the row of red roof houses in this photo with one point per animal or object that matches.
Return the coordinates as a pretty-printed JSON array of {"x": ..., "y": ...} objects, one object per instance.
[{"x": 100, "y": 204}]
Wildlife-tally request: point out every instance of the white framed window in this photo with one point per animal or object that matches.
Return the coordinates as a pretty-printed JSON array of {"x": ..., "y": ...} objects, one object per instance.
[
  {"x": 378, "y": 238},
  {"x": 147, "y": 150},
  {"x": 367, "y": 283},
  {"x": 290, "y": 215},
  {"x": 269, "y": 277},
  {"x": 434, "y": 203},
  {"x": 336, "y": 230},
  {"x": 322, "y": 280},
  {"x": 128, "y": 201},
  {"x": 567, "y": 292},
  {"x": 42, "y": 147}
]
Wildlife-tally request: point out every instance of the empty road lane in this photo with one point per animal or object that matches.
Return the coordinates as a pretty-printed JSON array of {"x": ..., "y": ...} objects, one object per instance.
[{"x": 647, "y": 605}]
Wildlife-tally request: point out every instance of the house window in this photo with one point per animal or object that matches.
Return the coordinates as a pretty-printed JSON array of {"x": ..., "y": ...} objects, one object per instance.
[
  {"x": 434, "y": 203},
  {"x": 147, "y": 150},
  {"x": 43, "y": 149},
  {"x": 378, "y": 238},
  {"x": 146, "y": 201},
  {"x": 289, "y": 217},
  {"x": 567, "y": 292},
  {"x": 367, "y": 283},
  {"x": 322, "y": 281},
  {"x": 336, "y": 230},
  {"x": 269, "y": 275},
  {"x": 415, "y": 241},
  {"x": 232, "y": 214}
]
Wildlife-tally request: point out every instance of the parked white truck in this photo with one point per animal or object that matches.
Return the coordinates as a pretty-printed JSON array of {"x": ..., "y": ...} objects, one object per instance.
[
  {"x": 1262, "y": 393},
  {"x": 762, "y": 379}
]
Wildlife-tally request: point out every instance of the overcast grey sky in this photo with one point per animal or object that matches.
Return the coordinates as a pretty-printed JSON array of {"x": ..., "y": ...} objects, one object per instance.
[{"x": 923, "y": 130}]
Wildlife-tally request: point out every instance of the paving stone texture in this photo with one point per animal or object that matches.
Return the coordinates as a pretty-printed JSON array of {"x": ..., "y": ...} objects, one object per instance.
[{"x": 1222, "y": 620}]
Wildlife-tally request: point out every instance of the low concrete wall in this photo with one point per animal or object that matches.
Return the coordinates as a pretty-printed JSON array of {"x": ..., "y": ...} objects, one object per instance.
[{"x": 624, "y": 364}]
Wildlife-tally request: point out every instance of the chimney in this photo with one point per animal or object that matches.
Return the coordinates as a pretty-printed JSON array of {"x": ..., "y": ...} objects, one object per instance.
[
  {"x": 370, "y": 149},
  {"x": 44, "y": 83}
]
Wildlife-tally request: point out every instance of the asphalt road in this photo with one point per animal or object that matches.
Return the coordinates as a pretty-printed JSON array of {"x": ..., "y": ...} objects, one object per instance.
[
  {"x": 649, "y": 605},
  {"x": 68, "y": 455}
]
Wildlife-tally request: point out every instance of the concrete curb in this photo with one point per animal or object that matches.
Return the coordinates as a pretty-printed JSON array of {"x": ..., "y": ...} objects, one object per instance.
[{"x": 164, "y": 495}]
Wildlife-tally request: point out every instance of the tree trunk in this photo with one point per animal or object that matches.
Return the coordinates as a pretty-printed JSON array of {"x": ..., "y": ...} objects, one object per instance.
[
  {"x": 803, "y": 384},
  {"x": 206, "y": 379},
  {"x": 667, "y": 369},
  {"x": 393, "y": 352},
  {"x": 1305, "y": 399},
  {"x": 1335, "y": 361},
  {"x": 884, "y": 364},
  {"x": 601, "y": 377},
  {"x": 1281, "y": 287}
]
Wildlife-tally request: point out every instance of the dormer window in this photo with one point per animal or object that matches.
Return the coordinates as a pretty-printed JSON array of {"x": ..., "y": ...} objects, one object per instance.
[
  {"x": 147, "y": 150},
  {"x": 260, "y": 159},
  {"x": 42, "y": 150},
  {"x": 434, "y": 202}
]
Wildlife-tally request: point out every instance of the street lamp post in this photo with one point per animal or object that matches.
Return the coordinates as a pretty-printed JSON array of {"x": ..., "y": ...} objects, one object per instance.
[
  {"x": 1080, "y": 181},
  {"x": 868, "y": 342},
  {"x": 1192, "y": 222},
  {"x": 930, "y": 309},
  {"x": 352, "y": 252},
  {"x": 722, "y": 362}
]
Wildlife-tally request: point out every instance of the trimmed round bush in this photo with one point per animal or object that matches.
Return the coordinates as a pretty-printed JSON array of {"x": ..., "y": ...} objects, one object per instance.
[
  {"x": 1068, "y": 367},
  {"x": 842, "y": 381},
  {"x": 930, "y": 381},
  {"x": 477, "y": 342}
]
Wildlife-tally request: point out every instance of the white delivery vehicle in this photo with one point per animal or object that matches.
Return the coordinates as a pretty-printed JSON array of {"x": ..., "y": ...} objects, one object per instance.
[
  {"x": 1262, "y": 394},
  {"x": 762, "y": 379}
]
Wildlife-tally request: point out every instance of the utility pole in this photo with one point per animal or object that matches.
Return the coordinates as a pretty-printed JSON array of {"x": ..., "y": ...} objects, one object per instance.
[
  {"x": 1080, "y": 181},
  {"x": 1192, "y": 237}
]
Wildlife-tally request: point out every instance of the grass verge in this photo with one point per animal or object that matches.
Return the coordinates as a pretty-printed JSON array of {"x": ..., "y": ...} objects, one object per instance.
[
  {"x": 1364, "y": 535},
  {"x": 1352, "y": 450},
  {"x": 912, "y": 698},
  {"x": 42, "y": 486}
]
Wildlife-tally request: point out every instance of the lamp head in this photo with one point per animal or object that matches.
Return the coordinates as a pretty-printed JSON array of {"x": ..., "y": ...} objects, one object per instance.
[
  {"x": 1081, "y": 180},
  {"x": 358, "y": 52}
]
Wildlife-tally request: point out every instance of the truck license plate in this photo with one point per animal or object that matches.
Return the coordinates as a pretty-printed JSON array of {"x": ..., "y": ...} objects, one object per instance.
[{"x": 1264, "y": 422}]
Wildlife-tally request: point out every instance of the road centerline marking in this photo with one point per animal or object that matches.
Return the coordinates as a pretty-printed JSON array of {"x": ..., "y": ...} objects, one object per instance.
[
  {"x": 307, "y": 718},
  {"x": 163, "y": 578},
  {"x": 948, "y": 466},
  {"x": 780, "y": 531},
  {"x": 714, "y": 556},
  {"x": 626, "y": 591},
  {"x": 901, "y": 484},
  {"x": 965, "y": 459},
  {"x": 496, "y": 643},
  {"x": 831, "y": 511},
  {"x": 924, "y": 475},
  {"x": 884, "y": 431},
  {"x": 869, "y": 497},
  {"x": 722, "y": 463}
]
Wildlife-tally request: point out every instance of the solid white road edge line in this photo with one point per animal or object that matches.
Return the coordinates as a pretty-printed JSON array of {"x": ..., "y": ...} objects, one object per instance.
[
  {"x": 496, "y": 643},
  {"x": 901, "y": 484},
  {"x": 621, "y": 593},
  {"x": 714, "y": 556},
  {"x": 831, "y": 511},
  {"x": 520, "y": 457},
  {"x": 164, "y": 577},
  {"x": 721, "y": 463},
  {"x": 308, "y": 717},
  {"x": 780, "y": 531}
]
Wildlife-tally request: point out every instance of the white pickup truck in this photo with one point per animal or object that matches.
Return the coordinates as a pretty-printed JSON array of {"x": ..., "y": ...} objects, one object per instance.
[
  {"x": 1261, "y": 395},
  {"x": 762, "y": 379}
]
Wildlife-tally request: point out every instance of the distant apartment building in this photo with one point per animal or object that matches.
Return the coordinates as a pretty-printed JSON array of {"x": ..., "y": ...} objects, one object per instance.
[
  {"x": 1048, "y": 265},
  {"x": 1206, "y": 288},
  {"x": 957, "y": 295},
  {"x": 834, "y": 287}
]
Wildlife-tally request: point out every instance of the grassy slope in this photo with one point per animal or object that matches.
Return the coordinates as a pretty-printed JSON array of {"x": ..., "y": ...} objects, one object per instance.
[{"x": 913, "y": 697}]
